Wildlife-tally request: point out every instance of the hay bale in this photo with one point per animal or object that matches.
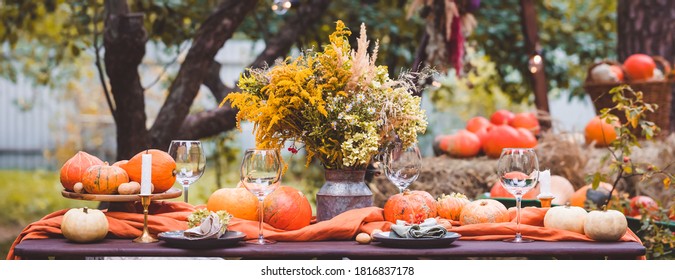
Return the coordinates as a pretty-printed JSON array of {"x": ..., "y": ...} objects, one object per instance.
[{"x": 564, "y": 154}]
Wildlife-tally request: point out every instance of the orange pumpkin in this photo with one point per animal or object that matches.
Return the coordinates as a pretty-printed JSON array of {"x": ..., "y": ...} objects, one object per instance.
[
  {"x": 450, "y": 206},
  {"x": 526, "y": 120},
  {"x": 163, "y": 165},
  {"x": 501, "y": 117},
  {"x": 104, "y": 179},
  {"x": 498, "y": 191},
  {"x": 476, "y": 123},
  {"x": 597, "y": 196},
  {"x": 410, "y": 206},
  {"x": 600, "y": 132},
  {"x": 504, "y": 136},
  {"x": 484, "y": 211},
  {"x": 120, "y": 163},
  {"x": 463, "y": 144},
  {"x": 74, "y": 168},
  {"x": 237, "y": 201},
  {"x": 287, "y": 208}
]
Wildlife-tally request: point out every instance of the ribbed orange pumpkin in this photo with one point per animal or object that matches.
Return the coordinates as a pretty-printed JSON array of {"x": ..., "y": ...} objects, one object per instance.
[
  {"x": 237, "y": 201},
  {"x": 287, "y": 208},
  {"x": 450, "y": 206},
  {"x": 484, "y": 211},
  {"x": 120, "y": 163},
  {"x": 74, "y": 168},
  {"x": 104, "y": 179},
  {"x": 163, "y": 167},
  {"x": 410, "y": 206}
]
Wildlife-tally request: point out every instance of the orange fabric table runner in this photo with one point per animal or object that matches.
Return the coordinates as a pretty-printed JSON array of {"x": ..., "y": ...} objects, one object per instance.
[{"x": 168, "y": 216}]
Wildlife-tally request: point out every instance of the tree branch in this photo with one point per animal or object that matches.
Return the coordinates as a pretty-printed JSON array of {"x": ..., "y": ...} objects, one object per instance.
[
  {"x": 210, "y": 38},
  {"x": 212, "y": 122},
  {"x": 281, "y": 43}
]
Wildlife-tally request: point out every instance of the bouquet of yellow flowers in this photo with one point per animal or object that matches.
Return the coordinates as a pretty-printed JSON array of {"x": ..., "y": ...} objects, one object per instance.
[{"x": 337, "y": 102}]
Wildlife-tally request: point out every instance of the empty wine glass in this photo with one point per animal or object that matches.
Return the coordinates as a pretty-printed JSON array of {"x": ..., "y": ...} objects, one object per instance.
[
  {"x": 260, "y": 174},
  {"x": 190, "y": 162},
  {"x": 518, "y": 171},
  {"x": 402, "y": 165}
]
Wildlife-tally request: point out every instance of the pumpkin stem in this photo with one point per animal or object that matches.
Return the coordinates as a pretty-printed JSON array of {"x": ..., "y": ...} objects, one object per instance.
[
  {"x": 567, "y": 204},
  {"x": 85, "y": 210}
]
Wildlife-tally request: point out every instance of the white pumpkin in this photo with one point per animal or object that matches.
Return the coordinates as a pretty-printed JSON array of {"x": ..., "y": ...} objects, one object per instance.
[
  {"x": 84, "y": 225},
  {"x": 566, "y": 217},
  {"x": 608, "y": 225},
  {"x": 562, "y": 189}
]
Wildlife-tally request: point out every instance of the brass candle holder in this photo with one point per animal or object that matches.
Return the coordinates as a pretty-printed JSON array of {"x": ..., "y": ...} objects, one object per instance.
[
  {"x": 145, "y": 236},
  {"x": 546, "y": 201}
]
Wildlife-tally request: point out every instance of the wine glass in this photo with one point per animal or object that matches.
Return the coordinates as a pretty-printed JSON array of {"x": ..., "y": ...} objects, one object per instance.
[
  {"x": 260, "y": 174},
  {"x": 402, "y": 165},
  {"x": 518, "y": 171},
  {"x": 190, "y": 162}
]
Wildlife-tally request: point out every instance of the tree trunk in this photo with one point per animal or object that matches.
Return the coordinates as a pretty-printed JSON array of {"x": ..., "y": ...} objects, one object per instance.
[
  {"x": 528, "y": 18},
  {"x": 210, "y": 38},
  {"x": 124, "y": 40},
  {"x": 647, "y": 26}
]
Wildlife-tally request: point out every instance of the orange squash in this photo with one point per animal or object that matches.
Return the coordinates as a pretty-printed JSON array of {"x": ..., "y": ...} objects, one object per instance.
[
  {"x": 503, "y": 136},
  {"x": 103, "y": 179},
  {"x": 476, "y": 123},
  {"x": 410, "y": 206},
  {"x": 163, "y": 165},
  {"x": 597, "y": 196},
  {"x": 287, "y": 208},
  {"x": 120, "y": 163},
  {"x": 463, "y": 144},
  {"x": 484, "y": 211},
  {"x": 74, "y": 168},
  {"x": 450, "y": 206},
  {"x": 498, "y": 191},
  {"x": 237, "y": 201},
  {"x": 600, "y": 132}
]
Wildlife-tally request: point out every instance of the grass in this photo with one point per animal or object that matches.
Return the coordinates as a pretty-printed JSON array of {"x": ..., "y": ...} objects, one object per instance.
[{"x": 27, "y": 196}]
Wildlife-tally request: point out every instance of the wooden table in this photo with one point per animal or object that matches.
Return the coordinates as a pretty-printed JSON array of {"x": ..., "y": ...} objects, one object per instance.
[{"x": 62, "y": 249}]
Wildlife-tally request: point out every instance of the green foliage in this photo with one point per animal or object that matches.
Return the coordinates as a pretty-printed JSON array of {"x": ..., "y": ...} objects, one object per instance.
[
  {"x": 658, "y": 239},
  {"x": 570, "y": 40},
  {"x": 477, "y": 92}
]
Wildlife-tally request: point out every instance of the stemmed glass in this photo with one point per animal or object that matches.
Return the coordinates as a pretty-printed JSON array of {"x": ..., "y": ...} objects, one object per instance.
[
  {"x": 518, "y": 171},
  {"x": 260, "y": 174},
  {"x": 190, "y": 162},
  {"x": 402, "y": 165}
]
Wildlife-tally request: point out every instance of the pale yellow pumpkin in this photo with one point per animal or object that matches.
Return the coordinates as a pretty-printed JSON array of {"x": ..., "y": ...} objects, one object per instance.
[
  {"x": 84, "y": 225},
  {"x": 608, "y": 225},
  {"x": 566, "y": 217}
]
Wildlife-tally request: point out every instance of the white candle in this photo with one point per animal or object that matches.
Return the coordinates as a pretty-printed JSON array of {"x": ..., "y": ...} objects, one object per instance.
[
  {"x": 146, "y": 174},
  {"x": 545, "y": 183}
]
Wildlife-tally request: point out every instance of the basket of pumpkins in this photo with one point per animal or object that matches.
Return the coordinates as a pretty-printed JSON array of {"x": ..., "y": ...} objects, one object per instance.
[{"x": 649, "y": 74}]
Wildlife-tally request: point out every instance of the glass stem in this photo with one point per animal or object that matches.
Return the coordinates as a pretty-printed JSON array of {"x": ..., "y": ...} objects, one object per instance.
[
  {"x": 261, "y": 240},
  {"x": 518, "y": 199},
  {"x": 185, "y": 192}
]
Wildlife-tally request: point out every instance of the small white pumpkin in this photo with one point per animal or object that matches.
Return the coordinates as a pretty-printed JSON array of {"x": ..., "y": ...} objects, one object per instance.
[
  {"x": 608, "y": 225},
  {"x": 566, "y": 217},
  {"x": 84, "y": 225}
]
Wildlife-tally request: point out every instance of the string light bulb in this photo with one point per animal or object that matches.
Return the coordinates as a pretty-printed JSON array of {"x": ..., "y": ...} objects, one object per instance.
[
  {"x": 535, "y": 63},
  {"x": 281, "y": 7}
]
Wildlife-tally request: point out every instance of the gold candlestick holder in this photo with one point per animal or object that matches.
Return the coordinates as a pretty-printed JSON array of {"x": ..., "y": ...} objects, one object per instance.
[
  {"x": 546, "y": 201},
  {"x": 145, "y": 236}
]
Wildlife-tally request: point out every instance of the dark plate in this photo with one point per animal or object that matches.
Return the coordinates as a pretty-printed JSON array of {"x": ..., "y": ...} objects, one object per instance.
[
  {"x": 386, "y": 240},
  {"x": 177, "y": 239}
]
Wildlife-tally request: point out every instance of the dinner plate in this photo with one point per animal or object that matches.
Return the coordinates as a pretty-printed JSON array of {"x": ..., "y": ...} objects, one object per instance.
[
  {"x": 386, "y": 239},
  {"x": 177, "y": 239}
]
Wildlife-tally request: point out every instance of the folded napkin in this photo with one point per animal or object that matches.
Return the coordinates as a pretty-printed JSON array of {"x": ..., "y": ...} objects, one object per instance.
[
  {"x": 210, "y": 227},
  {"x": 428, "y": 228}
]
